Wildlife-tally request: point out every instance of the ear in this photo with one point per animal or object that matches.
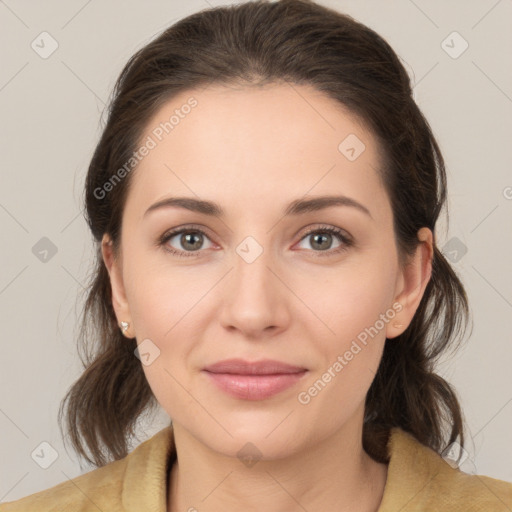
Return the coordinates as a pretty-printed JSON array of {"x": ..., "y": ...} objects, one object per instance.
[
  {"x": 114, "y": 267},
  {"x": 411, "y": 284}
]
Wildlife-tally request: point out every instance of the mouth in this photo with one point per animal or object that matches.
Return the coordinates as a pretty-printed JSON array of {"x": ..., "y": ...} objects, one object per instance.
[
  {"x": 254, "y": 381},
  {"x": 263, "y": 367}
]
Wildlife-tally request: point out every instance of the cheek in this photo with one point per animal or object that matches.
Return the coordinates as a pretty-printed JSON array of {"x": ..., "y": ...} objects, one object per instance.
[
  {"x": 353, "y": 296},
  {"x": 164, "y": 311},
  {"x": 355, "y": 304},
  {"x": 350, "y": 354},
  {"x": 160, "y": 296}
]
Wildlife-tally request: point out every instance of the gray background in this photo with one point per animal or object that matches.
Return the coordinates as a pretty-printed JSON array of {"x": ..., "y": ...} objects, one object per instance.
[{"x": 51, "y": 110}]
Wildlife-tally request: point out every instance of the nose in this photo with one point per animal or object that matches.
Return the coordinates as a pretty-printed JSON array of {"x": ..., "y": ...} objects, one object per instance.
[{"x": 256, "y": 301}]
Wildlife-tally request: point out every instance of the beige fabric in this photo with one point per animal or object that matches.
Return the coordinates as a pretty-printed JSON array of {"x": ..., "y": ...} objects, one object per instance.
[{"x": 418, "y": 480}]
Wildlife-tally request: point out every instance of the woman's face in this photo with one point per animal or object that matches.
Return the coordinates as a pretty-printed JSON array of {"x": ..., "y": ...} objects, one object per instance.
[{"x": 260, "y": 282}]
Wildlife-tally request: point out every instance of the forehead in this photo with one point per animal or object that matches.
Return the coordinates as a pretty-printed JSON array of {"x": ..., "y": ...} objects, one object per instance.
[{"x": 257, "y": 142}]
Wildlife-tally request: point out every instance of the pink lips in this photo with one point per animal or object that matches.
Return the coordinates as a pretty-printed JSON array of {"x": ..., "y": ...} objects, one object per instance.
[{"x": 254, "y": 381}]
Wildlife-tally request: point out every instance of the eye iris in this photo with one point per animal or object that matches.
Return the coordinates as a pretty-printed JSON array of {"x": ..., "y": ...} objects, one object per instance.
[
  {"x": 186, "y": 238},
  {"x": 317, "y": 236}
]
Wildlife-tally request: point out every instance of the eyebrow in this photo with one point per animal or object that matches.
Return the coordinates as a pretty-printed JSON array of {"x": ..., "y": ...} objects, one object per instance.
[{"x": 297, "y": 207}]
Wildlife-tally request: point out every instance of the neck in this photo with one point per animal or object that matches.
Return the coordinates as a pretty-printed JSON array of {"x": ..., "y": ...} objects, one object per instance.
[{"x": 332, "y": 474}]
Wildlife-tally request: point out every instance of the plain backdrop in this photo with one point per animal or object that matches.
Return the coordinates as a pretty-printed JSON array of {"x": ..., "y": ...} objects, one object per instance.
[{"x": 50, "y": 122}]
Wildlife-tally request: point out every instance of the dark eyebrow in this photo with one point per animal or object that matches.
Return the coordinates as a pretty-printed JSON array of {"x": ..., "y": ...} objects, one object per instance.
[
  {"x": 298, "y": 207},
  {"x": 319, "y": 203}
]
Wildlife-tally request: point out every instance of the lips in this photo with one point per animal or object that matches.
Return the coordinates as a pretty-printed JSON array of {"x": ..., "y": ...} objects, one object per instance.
[
  {"x": 259, "y": 380},
  {"x": 264, "y": 367}
]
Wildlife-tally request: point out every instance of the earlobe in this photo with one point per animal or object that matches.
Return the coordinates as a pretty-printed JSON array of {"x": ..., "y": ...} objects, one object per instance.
[
  {"x": 413, "y": 280},
  {"x": 119, "y": 301}
]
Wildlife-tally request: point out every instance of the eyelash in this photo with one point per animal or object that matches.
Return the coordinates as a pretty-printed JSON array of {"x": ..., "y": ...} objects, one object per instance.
[{"x": 346, "y": 242}]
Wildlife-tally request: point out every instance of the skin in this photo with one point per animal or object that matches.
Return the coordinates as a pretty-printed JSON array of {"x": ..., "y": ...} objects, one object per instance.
[{"x": 254, "y": 150}]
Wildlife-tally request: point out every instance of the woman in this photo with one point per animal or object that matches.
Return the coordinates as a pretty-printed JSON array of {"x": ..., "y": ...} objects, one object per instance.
[{"x": 264, "y": 200}]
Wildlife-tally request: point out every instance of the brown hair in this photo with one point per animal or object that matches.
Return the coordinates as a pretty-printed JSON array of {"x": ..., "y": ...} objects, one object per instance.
[{"x": 255, "y": 43}]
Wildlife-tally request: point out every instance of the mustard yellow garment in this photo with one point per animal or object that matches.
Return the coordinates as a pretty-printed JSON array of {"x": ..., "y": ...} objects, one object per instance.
[{"x": 418, "y": 480}]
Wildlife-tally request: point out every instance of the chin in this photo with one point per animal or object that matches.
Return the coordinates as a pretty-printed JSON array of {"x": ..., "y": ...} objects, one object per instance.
[{"x": 249, "y": 448}]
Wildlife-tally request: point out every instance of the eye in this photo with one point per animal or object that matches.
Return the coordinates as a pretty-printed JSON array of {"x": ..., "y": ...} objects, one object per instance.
[
  {"x": 322, "y": 237},
  {"x": 190, "y": 238}
]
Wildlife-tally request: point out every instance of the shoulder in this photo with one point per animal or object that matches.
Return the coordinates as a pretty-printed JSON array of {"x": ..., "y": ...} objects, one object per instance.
[
  {"x": 136, "y": 482},
  {"x": 99, "y": 489},
  {"x": 476, "y": 492},
  {"x": 420, "y": 479}
]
